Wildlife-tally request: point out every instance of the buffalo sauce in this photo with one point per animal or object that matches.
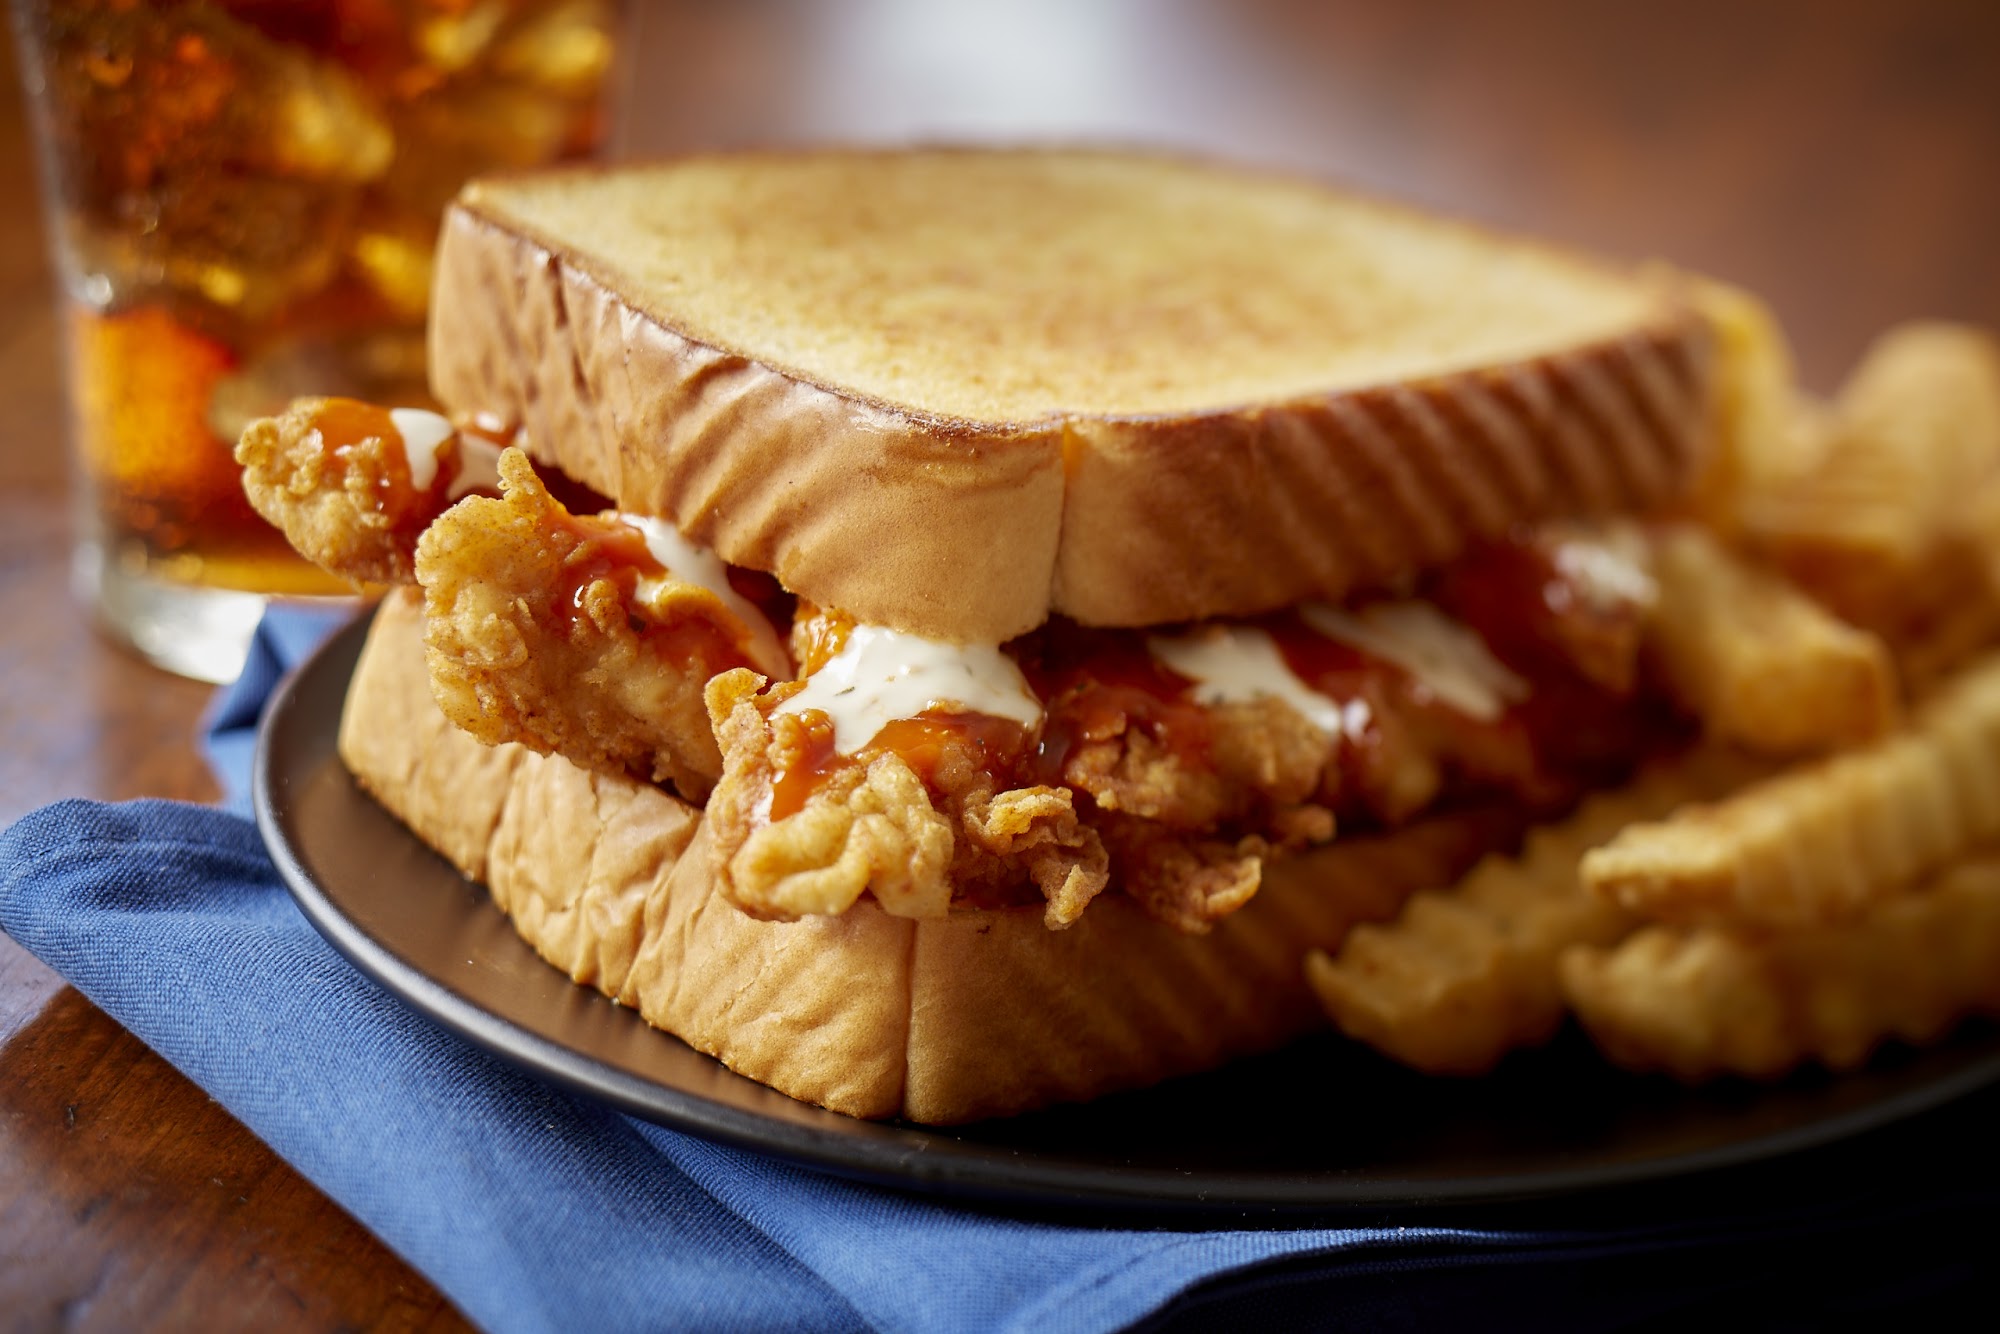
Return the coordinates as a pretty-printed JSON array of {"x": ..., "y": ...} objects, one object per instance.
[
  {"x": 1093, "y": 685},
  {"x": 1573, "y": 707},
  {"x": 1099, "y": 683},
  {"x": 869, "y": 691},
  {"x": 1364, "y": 686},
  {"x": 616, "y": 552},
  {"x": 1588, "y": 713},
  {"x": 406, "y": 501},
  {"x": 806, "y": 766},
  {"x": 995, "y": 745},
  {"x": 1536, "y": 618},
  {"x": 817, "y": 636},
  {"x": 421, "y": 460}
]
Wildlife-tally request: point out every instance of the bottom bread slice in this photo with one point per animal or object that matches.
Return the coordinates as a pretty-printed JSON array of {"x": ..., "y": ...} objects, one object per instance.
[{"x": 981, "y": 1013}]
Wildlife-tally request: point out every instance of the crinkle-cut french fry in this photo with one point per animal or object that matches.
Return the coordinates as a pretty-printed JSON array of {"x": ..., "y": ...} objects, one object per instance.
[
  {"x": 1932, "y": 390},
  {"x": 1961, "y": 618},
  {"x": 1760, "y": 663},
  {"x": 1757, "y": 403},
  {"x": 1917, "y": 429},
  {"x": 1707, "y": 1001},
  {"x": 1976, "y": 528},
  {"x": 1955, "y": 606},
  {"x": 1823, "y": 840},
  {"x": 1468, "y": 973}
]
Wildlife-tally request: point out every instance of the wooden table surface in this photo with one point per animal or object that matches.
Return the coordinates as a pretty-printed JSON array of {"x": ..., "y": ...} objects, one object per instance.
[{"x": 1843, "y": 159}]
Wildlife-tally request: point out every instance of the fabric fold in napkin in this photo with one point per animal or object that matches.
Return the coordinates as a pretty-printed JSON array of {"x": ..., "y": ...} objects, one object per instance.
[{"x": 534, "y": 1209}]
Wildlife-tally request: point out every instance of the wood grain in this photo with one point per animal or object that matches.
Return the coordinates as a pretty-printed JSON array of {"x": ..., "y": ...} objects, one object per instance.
[{"x": 1839, "y": 157}]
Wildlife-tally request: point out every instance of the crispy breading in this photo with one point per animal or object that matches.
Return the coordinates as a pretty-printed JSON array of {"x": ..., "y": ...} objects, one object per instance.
[
  {"x": 1468, "y": 973},
  {"x": 1038, "y": 829},
  {"x": 1186, "y": 801},
  {"x": 1707, "y": 1001},
  {"x": 529, "y": 642},
  {"x": 1760, "y": 663},
  {"x": 875, "y": 827},
  {"x": 867, "y": 830},
  {"x": 1824, "y": 840},
  {"x": 1187, "y": 881},
  {"x": 1257, "y": 754},
  {"x": 352, "y": 513}
]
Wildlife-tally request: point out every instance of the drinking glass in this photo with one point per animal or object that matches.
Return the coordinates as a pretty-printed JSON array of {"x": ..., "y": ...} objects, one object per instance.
[{"x": 242, "y": 198}]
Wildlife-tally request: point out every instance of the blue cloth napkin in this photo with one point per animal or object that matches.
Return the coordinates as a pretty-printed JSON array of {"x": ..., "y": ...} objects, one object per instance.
[{"x": 533, "y": 1209}]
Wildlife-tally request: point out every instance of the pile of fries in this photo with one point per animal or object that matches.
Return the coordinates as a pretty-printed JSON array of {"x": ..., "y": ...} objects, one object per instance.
[{"x": 1822, "y": 872}]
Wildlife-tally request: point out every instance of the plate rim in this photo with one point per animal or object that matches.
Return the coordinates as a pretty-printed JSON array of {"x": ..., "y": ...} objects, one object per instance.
[{"x": 930, "y": 1160}]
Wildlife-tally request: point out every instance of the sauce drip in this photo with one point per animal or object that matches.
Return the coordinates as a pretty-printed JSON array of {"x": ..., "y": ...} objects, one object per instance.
[
  {"x": 1098, "y": 683},
  {"x": 407, "y": 501},
  {"x": 926, "y": 743}
]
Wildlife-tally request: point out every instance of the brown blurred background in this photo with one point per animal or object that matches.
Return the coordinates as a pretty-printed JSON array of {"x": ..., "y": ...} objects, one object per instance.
[{"x": 1841, "y": 158}]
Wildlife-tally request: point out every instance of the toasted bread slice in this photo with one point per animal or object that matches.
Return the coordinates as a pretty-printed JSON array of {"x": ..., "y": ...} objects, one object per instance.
[
  {"x": 954, "y": 391},
  {"x": 982, "y": 1013}
]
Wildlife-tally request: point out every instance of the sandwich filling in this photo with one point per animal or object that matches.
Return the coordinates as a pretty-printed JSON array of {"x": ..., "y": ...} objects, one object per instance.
[
  {"x": 839, "y": 760},
  {"x": 1173, "y": 764}
]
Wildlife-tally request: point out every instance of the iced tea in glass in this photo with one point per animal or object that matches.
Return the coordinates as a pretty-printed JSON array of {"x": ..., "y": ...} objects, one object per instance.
[{"x": 244, "y": 195}]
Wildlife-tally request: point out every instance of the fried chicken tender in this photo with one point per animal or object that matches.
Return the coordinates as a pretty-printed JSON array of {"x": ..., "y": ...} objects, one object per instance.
[
  {"x": 1190, "y": 883},
  {"x": 334, "y": 476},
  {"x": 1036, "y": 828},
  {"x": 536, "y": 633},
  {"x": 876, "y": 827},
  {"x": 1708, "y": 1001},
  {"x": 1259, "y": 754}
]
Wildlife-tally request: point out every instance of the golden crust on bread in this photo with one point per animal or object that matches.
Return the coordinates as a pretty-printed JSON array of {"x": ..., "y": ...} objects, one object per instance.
[
  {"x": 980, "y": 1013},
  {"x": 934, "y": 500}
]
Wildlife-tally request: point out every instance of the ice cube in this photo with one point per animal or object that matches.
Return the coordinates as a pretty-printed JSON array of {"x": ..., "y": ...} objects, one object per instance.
[{"x": 564, "y": 46}]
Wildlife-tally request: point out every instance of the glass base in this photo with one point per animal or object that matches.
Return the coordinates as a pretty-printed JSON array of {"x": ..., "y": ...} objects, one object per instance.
[{"x": 189, "y": 630}]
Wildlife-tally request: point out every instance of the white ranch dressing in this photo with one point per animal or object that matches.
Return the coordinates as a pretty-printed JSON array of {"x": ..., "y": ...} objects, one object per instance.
[
  {"x": 1234, "y": 664},
  {"x": 881, "y": 675},
  {"x": 1443, "y": 656},
  {"x": 423, "y": 434},
  {"x": 478, "y": 467},
  {"x": 1609, "y": 570},
  {"x": 688, "y": 563}
]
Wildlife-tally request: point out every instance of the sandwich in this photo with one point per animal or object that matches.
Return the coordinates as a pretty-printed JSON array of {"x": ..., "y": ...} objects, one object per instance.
[{"x": 951, "y": 631}]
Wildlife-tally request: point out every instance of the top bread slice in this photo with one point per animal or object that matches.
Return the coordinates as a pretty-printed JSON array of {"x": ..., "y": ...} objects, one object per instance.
[{"x": 955, "y": 391}]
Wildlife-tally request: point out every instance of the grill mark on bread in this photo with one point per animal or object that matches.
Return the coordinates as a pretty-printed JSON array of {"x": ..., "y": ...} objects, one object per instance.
[
  {"x": 1662, "y": 384},
  {"x": 1398, "y": 479},
  {"x": 1575, "y": 458},
  {"x": 1461, "y": 476},
  {"x": 1310, "y": 497},
  {"x": 1506, "y": 441},
  {"x": 1626, "y": 438}
]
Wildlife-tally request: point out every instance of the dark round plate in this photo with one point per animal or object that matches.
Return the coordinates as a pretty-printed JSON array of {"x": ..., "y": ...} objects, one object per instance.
[{"x": 1322, "y": 1125}]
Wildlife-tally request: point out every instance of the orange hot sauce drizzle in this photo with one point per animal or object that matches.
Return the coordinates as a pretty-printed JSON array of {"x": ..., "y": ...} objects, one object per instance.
[
  {"x": 344, "y": 423},
  {"x": 1095, "y": 684},
  {"x": 1513, "y": 596},
  {"x": 807, "y": 766},
  {"x": 996, "y": 745},
  {"x": 615, "y": 552}
]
